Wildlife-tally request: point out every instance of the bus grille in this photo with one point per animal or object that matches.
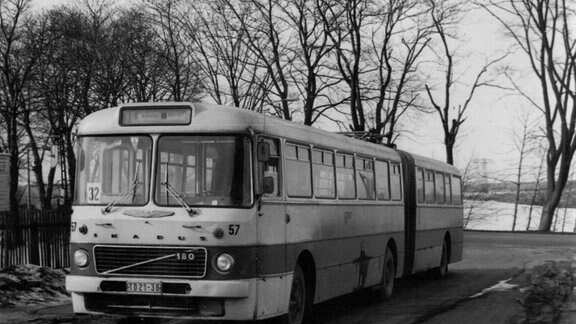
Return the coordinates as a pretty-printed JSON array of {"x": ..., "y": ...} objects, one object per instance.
[{"x": 151, "y": 261}]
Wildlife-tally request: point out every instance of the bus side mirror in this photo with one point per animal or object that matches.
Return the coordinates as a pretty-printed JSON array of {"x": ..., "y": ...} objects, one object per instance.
[
  {"x": 263, "y": 153},
  {"x": 269, "y": 185}
]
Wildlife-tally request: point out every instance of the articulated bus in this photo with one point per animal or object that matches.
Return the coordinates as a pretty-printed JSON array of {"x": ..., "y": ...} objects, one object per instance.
[{"x": 206, "y": 212}]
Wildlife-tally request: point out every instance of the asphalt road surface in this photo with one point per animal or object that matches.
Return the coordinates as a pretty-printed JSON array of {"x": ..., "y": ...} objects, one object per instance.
[
  {"x": 460, "y": 297},
  {"x": 489, "y": 258}
]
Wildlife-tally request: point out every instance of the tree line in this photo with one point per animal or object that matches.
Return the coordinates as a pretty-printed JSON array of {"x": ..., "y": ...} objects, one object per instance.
[{"x": 363, "y": 65}]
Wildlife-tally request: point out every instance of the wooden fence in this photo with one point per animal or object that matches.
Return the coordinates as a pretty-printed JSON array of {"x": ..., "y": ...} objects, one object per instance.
[{"x": 35, "y": 237}]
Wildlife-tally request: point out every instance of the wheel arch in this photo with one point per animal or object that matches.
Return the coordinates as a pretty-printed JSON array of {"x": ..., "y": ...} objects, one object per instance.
[
  {"x": 392, "y": 245},
  {"x": 448, "y": 240},
  {"x": 306, "y": 261}
]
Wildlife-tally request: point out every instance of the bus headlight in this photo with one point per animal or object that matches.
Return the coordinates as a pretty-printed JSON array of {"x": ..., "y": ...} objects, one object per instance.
[
  {"x": 81, "y": 258},
  {"x": 224, "y": 262}
]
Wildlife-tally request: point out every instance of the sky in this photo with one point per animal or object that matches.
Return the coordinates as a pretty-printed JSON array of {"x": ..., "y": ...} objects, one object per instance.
[
  {"x": 487, "y": 133},
  {"x": 494, "y": 114}
]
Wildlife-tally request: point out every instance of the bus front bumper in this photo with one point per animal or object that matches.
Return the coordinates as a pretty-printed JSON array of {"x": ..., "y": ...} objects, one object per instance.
[{"x": 194, "y": 299}]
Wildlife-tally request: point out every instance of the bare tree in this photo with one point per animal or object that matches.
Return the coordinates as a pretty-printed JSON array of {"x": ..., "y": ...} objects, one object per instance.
[
  {"x": 445, "y": 17},
  {"x": 567, "y": 199},
  {"x": 378, "y": 47},
  {"x": 38, "y": 40},
  {"x": 536, "y": 190},
  {"x": 181, "y": 77},
  {"x": 310, "y": 48},
  {"x": 397, "y": 44},
  {"x": 344, "y": 22},
  {"x": 16, "y": 69},
  {"x": 75, "y": 65},
  {"x": 110, "y": 79},
  {"x": 544, "y": 32},
  {"x": 144, "y": 64},
  {"x": 267, "y": 37},
  {"x": 267, "y": 52},
  {"x": 524, "y": 144},
  {"x": 232, "y": 72}
]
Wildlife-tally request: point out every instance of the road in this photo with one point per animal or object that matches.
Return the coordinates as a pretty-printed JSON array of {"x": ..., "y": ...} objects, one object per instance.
[{"x": 489, "y": 258}]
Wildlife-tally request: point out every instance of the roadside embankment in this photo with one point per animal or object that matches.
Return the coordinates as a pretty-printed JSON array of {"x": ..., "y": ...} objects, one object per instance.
[{"x": 549, "y": 294}]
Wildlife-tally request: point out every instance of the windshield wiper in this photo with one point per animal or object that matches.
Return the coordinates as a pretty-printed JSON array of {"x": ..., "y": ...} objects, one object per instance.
[
  {"x": 191, "y": 211},
  {"x": 130, "y": 189}
]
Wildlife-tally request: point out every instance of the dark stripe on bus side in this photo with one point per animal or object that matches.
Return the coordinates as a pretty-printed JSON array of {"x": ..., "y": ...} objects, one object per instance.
[{"x": 408, "y": 172}]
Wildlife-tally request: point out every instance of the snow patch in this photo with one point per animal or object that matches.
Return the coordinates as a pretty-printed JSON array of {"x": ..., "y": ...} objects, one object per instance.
[
  {"x": 28, "y": 284},
  {"x": 500, "y": 286}
]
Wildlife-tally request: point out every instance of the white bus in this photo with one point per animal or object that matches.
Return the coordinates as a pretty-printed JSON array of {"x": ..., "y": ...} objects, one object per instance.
[{"x": 200, "y": 211}]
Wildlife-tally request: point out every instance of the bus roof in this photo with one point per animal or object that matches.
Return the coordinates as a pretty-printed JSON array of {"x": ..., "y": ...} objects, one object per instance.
[{"x": 210, "y": 118}]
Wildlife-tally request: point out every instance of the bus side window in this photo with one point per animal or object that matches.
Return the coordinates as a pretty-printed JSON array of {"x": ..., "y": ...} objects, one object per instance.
[
  {"x": 420, "y": 184},
  {"x": 382, "y": 180},
  {"x": 395, "y": 181},
  {"x": 345, "y": 183},
  {"x": 448, "y": 188},
  {"x": 429, "y": 189},
  {"x": 365, "y": 178},
  {"x": 271, "y": 169},
  {"x": 440, "y": 190},
  {"x": 298, "y": 171},
  {"x": 323, "y": 171},
  {"x": 456, "y": 190}
]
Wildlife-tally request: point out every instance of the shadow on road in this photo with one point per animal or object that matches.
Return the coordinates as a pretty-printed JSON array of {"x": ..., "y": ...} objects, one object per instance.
[{"x": 416, "y": 299}]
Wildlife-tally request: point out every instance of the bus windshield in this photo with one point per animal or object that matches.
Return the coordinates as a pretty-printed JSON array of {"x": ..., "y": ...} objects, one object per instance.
[
  {"x": 203, "y": 171},
  {"x": 113, "y": 170}
]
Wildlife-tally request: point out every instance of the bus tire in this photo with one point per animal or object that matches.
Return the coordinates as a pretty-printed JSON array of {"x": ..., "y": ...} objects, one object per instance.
[
  {"x": 441, "y": 271},
  {"x": 298, "y": 298},
  {"x": 386, "y": 287}
]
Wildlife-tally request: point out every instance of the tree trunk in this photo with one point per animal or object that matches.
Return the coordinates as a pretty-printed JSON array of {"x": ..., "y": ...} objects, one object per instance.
[
  {"x": 449, "y": 141},
  {"x": 71, "y": 167},
  {"x": 548, "y": 210},
  {"x": 14, "y": 174},
  {"x": 516, "y": 202},
  {"x": 13, "y": 191}
]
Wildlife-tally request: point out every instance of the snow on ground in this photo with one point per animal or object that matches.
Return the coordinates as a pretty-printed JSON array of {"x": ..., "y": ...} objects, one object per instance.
[
  {"x": 502, "y": 285},
  {"x": 498, "y": 216},
  {"x": 28, "y": 284}
]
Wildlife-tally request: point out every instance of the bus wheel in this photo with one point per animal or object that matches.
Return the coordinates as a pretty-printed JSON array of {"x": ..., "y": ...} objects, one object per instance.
[
  {"x": 388, "y": 277},
  {"x": 298, "y": 301},
  {"x": 441, "y": 271}
]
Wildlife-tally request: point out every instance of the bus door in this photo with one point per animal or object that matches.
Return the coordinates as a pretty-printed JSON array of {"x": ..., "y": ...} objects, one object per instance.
[
  {"x": 271, "y": 214},
  {"x": 273, "y": 290}
]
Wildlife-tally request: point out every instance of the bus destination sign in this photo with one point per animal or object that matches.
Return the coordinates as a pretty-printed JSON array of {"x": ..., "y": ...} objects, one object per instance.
[{"x": 158, "y": 115}]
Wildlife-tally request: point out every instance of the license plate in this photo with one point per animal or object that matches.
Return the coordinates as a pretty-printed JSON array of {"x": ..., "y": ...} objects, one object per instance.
[{"x": 144, "y": 287}]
